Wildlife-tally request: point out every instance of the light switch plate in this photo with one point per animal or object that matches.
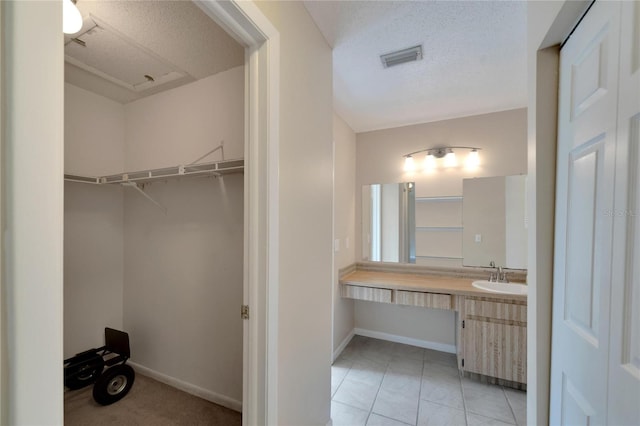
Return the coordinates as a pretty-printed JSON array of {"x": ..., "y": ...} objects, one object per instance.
[{"x": 478, "y": 238}]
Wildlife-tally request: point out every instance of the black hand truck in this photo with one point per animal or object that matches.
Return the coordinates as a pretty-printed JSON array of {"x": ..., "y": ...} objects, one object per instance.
[{"x": 88, "y": 367}]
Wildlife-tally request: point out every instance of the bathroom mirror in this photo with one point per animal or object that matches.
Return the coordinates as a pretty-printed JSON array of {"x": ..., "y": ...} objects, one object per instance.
[
  {"x": 494, "y": 221},
  {"x": 388, "y": 222},
  {"x": 442, "y": 231}
]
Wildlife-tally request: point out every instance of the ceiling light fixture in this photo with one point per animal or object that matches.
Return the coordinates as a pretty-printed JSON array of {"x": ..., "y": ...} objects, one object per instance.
[
  {"x": 447, "y": 153},
  {"x": 71, "y": 17},
  {"x": 401, "y": 56}
]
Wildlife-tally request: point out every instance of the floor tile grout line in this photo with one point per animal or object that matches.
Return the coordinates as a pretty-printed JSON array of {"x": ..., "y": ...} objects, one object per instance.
[
  {"x": 420, "y": 391},
  {"x": 341, "y": 380},
  {"x": 464, "y": 401},
  {"x": 390, "y": 418},
  {"x": 377, "y": 392},
  {"x": 513, "y": 413},
  {"x": 451, "y": 407},
  {"x": 515, "y": 422},
  {"x": 348, "y": 405}
]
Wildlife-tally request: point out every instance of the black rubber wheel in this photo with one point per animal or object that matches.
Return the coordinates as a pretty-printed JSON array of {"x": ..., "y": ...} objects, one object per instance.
[
  {"x": 114, "y": 384},
  {"x": 84, "y": 374}
]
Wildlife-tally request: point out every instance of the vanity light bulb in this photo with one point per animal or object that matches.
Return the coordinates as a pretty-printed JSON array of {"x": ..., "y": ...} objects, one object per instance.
[
  {"x": 429, "y": 162},
  {"x": 473, "y": 160},
  {"x": 450, "y": 159},
  {"x": 71, "y": 18},
  {"x": 409, "y": 165}
]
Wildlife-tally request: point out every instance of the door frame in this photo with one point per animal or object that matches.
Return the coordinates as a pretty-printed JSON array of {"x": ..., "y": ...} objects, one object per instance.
[
  {"x": 248, "y": 26},
  {"x": 555, "y": 21},
  {"x": 25, "y": 317}
]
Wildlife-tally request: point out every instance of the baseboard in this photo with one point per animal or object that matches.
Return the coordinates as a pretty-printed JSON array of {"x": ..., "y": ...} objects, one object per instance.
[
  {"x": 342, "y": 345},
  {"x": 189, "y": 388},
  {"x": 436, "y": 346}
]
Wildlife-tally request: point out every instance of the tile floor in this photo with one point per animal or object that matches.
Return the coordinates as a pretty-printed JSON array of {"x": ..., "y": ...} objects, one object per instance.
[{"x": 375, "y": 382}]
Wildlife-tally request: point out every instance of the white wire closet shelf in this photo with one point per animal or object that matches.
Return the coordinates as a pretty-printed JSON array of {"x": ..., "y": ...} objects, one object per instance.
[{"x": 214, "y": 168}]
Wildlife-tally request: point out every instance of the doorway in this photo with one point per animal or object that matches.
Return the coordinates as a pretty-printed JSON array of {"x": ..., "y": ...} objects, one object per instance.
[{"x": 29, "y": 317}]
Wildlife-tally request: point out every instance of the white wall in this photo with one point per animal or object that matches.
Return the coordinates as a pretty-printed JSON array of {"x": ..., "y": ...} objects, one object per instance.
[
  {"x": 502, "y": 139},
  {"x": 93, "y": 264},
  {"x": 32, "y": 168},
  {"x": 433, "y": 326},
  {"x": 181, "y": 125},
  {"x": 183, "y": 281},
  {"x": 93, "y": 219},
  {"x": 344, "y": 208},
  {"x": 183, "y": 271},
  {"x": 93, "y": 133},
  {"x": 306, "y": 171},
  {"x": 516, "y": 222},
  {"x": 485, "y": 214},
  {"x": 4, "y": 361}
]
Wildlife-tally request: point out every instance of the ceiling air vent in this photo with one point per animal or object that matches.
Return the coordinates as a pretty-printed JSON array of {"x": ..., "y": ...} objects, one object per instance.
[{"x": 401, "y": 56}]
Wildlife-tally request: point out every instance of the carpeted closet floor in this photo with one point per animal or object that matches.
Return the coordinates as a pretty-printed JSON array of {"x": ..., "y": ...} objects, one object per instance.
[{"x": 148, "y": 403}]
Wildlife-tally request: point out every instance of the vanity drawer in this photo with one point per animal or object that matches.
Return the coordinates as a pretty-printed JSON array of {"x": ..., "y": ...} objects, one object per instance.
[
  {"x": 366, "y": 293},
  {"x": 425, "y": 300},
  {"x": 502, "y": 310}
]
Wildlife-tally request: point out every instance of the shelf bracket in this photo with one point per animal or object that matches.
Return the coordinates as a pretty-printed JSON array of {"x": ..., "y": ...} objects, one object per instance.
[
  {"x": 145, "y": 195},
  {"x": 219, "y": 147}
]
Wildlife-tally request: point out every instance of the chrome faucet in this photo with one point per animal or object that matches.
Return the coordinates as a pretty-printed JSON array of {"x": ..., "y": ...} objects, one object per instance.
[
  {"x": 493, "y": 276},
  {"x": 498, "y": 275},
  {"x": 502, "y": 276}
]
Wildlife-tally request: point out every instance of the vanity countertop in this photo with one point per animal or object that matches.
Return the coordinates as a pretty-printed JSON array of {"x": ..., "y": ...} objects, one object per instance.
[{"x": 424, "y": 283}]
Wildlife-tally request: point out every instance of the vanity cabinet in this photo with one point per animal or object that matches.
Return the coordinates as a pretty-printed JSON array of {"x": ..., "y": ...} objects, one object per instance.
[
  {"x": 370, "y": 294},
  {"x": 424, "y": 300},
  {"x": 491, "y": 331},
  {"x": 494, "y": 338}
]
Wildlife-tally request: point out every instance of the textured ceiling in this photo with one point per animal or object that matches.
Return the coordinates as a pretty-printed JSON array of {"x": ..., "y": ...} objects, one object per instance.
[
  {"x": 474, "y": 59},
  {"x": 174, "y": 40}
]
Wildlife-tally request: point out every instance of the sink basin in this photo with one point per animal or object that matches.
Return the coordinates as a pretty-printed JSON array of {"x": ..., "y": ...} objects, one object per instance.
[{"x": 504, "y": 288}]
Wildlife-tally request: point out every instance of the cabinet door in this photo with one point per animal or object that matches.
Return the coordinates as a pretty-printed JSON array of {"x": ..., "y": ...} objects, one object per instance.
[{"x": 495, "y": 348}]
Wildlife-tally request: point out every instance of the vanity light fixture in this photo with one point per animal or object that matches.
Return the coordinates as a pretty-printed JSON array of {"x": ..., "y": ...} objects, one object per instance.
[
  {"x": 473, "y": 159},
  {"x": 446, "y": 153},
  {"x": 71, "y": 17},
  {"x": 450, "y": 159},
  {"x": 409, "y": 164}
]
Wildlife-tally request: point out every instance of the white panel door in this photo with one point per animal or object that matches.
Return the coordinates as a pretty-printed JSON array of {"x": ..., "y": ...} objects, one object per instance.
[
  {"x": 583, "y": 234},
  {"x": 624, "y": 359}
]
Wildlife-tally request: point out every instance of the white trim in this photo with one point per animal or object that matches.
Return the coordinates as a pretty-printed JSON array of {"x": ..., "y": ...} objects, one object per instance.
[
  {"x": 273, "y": 228},
  {"x": 4, "y": 362},
  {"x": 342, "y": 345},
  {"x": 330, "y": 422},
  {"x": 334, "y": 280},
  {"x": 436, "y": 346},
  {"x": 245, "y": 22},
  {"x": 189, "y": 388}
]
